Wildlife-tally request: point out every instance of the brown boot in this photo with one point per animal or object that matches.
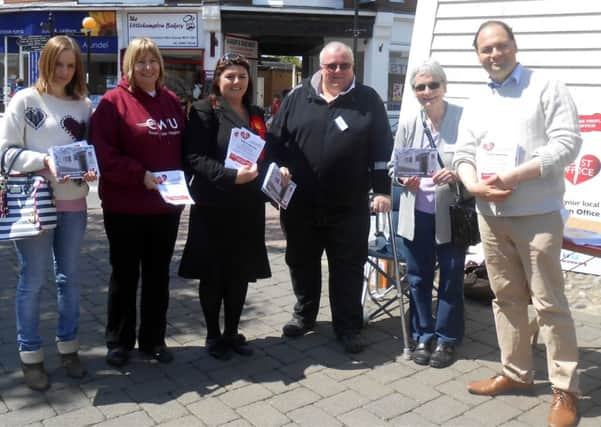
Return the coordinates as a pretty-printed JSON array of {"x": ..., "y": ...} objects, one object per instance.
[
  {"x": 35, "y": 376},
  {"x": 499, "y": 384},
  {"x": 73, "y": 365},
  {"x": 564, "y": 409}
]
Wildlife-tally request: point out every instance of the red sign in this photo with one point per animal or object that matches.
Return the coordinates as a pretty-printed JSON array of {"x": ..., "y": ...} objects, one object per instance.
[
  {"x": 590, "y": 123},
  {"x": 587, "y": 169}
]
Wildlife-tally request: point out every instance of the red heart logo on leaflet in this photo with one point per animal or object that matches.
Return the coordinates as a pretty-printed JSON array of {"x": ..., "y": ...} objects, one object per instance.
[
  {"x": 588, "y": 168},
  {"x": 488, "y": 146}
]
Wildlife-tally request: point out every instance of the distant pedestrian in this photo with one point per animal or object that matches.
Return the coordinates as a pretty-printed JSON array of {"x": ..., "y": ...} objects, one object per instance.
[
  {"x": 275, "y": 104},
  {"x": 144, "y": 136},
  {"x": 53, "y": 112},
  {"x": 523, "y": 129},
  {"x": 332, "y": 133}
]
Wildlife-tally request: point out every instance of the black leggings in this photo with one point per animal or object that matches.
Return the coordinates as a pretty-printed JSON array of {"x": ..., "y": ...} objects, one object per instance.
[{"x": 211, "y": 294}]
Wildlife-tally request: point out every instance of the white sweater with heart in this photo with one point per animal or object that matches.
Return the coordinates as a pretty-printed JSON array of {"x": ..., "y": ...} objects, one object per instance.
[{"x": 40, "y": 121}]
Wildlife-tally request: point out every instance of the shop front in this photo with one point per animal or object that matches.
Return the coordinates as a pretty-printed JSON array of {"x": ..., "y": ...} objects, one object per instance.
[
  {"x": 23, "y": 33},
  {"x": 181, "y": 39}
]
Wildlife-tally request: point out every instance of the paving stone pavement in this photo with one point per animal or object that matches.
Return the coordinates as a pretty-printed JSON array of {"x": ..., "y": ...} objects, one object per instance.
[{"x": 288, "y": 382}]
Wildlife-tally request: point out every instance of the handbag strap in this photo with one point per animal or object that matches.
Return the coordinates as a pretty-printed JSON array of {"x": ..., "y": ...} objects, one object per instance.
[
  {"x": 458, "y": 192},
  {"x": 13, "y": 160},
  {"x": 431, "y": 141}
]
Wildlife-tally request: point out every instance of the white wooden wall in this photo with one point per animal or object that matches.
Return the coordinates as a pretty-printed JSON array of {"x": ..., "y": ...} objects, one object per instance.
[{"x": 561, "y": 37}]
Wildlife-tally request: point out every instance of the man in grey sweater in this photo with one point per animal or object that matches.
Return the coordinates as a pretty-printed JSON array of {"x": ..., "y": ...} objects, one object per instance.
[{"x": 515, "y": 140}]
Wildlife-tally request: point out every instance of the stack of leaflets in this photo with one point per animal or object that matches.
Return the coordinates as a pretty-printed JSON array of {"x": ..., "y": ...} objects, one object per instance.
[
  {"x": 272, "y": 186},
  {"x": 173, "y": 188},
  {"x": 74, "y": 160},
  {"x": 420, "y": 162},
  {"x": 244, "y": 148}
]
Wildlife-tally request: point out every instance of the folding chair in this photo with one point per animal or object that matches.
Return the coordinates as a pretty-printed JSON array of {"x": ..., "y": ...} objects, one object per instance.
[{"x": 385, "y": 270}]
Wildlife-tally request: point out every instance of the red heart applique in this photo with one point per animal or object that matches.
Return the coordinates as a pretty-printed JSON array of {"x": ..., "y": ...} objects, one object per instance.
[
  {"x": 77, "y": 130},
  {"x": 488, "y": 146},
  {"x": 588, "y": 168}
]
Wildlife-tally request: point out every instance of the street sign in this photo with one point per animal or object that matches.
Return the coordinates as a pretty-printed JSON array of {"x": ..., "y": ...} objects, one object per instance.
[{"x": 32, "y": 43}]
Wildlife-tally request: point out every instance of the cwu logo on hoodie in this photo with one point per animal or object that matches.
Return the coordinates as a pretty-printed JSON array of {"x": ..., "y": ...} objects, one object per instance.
[{"x": 167, "y": 126}]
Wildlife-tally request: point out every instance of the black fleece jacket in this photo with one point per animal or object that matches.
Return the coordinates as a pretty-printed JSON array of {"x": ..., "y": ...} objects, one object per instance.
[{"x": 332, "y": 167}]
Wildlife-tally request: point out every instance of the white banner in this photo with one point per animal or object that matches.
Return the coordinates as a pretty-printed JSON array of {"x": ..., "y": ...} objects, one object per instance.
[
  {"x": 166, "y": 29},
  {"x": 583, "y": 180}
]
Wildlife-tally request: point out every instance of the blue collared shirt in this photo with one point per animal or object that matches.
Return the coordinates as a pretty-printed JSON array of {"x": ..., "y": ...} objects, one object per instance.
[{"x": 515, "y": 77}]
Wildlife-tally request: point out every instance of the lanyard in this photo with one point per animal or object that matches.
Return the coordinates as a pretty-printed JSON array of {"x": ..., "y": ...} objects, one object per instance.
[
  {"x": 431, "y": 140},
  {"x": 458, "y": 192}
]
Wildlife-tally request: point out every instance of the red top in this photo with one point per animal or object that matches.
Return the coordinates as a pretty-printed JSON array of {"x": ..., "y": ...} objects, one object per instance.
[
  {"x": 134, "y": 132},
  {"x": 275, "y": 106}
]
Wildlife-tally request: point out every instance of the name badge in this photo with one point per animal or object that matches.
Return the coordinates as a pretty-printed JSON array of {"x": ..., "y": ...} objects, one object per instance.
[{"x": 341, "y": 123}]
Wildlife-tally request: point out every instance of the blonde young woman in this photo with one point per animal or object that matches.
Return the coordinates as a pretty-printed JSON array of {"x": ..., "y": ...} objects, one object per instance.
[{"x": 53, "y": 112}]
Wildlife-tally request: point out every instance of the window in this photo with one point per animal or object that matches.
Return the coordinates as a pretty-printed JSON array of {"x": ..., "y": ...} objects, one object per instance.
[{"x": 397, "y": 69}]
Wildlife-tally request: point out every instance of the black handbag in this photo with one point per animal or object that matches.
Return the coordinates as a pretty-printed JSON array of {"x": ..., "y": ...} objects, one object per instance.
[{"x": 464, "y": 219}]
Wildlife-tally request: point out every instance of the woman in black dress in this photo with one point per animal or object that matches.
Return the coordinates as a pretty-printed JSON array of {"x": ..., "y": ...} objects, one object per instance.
[{"x": 225, "y": 248}]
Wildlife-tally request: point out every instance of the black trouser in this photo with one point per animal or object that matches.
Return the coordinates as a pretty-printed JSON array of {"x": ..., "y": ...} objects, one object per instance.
[
  {"x": 211, "y": 294},
  {"x": 343, "y": 234},
  {"x": 139, "y": 243}
]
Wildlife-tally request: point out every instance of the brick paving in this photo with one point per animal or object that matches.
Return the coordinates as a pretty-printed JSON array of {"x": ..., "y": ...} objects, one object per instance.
[{"x": 305, "y": 382}]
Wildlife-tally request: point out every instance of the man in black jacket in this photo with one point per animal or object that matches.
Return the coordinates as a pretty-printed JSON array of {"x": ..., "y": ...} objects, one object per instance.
[{"x": 332, "y": 133}]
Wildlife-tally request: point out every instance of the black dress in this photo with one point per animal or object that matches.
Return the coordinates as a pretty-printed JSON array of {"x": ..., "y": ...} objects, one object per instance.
[{"x": 226, "y": 233}]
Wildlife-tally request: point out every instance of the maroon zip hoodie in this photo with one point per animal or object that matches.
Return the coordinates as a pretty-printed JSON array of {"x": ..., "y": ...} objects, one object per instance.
[{"x": 134, "y": 132}]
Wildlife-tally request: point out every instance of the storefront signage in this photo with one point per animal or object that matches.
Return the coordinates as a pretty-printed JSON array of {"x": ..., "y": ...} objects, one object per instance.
[
  {"x": 334, "y": 4},
  {"x": 242, "y": 46},
  {"x": 31, "y": 43},
  {"x": 28, "y": 23},
  {"x": 166, "y": 29},
  {"x": 98, "y": 44}
]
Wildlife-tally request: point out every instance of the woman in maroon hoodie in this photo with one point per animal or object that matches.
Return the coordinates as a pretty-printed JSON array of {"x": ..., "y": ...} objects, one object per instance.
[{"x": 137, "y": 129}]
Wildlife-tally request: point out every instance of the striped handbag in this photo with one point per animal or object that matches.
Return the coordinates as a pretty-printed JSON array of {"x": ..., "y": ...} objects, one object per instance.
[{"x": 26, "y": 203}]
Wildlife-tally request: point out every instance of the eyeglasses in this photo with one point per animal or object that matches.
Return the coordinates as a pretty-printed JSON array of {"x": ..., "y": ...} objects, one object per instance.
[
  {"x": 233, "y": 58},
  {"x": 422, "y": 87},
  {"x": 334, "y": 67}
]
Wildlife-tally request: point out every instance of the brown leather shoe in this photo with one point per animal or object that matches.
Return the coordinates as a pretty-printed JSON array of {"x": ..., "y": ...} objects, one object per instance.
[
  {"x": 499, "y": 384},
  {"x": 564, "y": 409}
]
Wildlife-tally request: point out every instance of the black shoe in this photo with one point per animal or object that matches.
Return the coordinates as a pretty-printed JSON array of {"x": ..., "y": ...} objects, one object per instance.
[
  {"x": 218, "y": 348},
  {"x": 421, "y": 354},
  {"x": 296, "y": 327},
  {"x": 117, "y": 357},
  {"x": 160, "y": 353},
  {"x": 443, "y": 356},
  {"x": 238, "y": 344},
  {"x": 352, "y": 342}
]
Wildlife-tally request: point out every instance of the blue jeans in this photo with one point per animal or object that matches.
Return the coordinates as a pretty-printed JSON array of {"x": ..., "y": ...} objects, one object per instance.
[
  {"x": 62, "y": 246},
  {"x": 421, "y": 255}
]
